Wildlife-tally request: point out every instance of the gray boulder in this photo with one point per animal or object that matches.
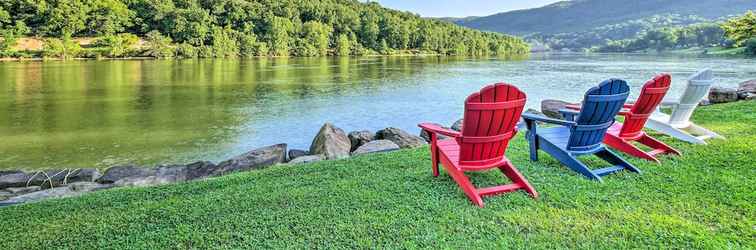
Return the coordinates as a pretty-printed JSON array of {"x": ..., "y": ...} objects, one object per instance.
[
  {"x": 747, "y": 90},
  {"x": 722, "y": 95},
  {"x": 401, "y": 138},
  {"x": 255, "y": 159},
  {"x": 4, "y": 195},
  {"x": 173, "y": 173},
  {"x": 296, "y": 153},
  {"x": 148, "y": 181},
  {"x": 23, "y": 190},
  {"x": 199, "y": 170},
  {"x": 331, "y": 142},
  {"x": 72, "y": 190},
  {"x": 359, "y": 138},
  {"x": 116, "y": 173},
  {"x": 457, "y": 126},
  {"x": 426, "y": 136},
  {"x": 306, "y": 159},
  {"x": 18, "y": 179},
  {"x": 550, "y": 108},
  {"x": 376, "y": 147},
  {"x": 60, "y": 177}
]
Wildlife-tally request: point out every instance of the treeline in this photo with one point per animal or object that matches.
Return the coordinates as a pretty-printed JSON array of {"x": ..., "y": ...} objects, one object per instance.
[
  {"x": 230, "y": 28},
  {"x": 734, "y": 33},
  {"x": 598, "y": 36}
]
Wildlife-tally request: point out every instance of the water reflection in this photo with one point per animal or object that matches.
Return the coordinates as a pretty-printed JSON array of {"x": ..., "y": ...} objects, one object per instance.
[{"x": 99, "y": 113}]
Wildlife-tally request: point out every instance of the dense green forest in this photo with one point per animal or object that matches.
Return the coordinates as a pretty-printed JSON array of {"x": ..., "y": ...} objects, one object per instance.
[
  {"x": 736, "y": 32},
  {"x": 582, "y": 25},
  {"x": 230, "y": 28},
  {"x": 584, "y": 15}
]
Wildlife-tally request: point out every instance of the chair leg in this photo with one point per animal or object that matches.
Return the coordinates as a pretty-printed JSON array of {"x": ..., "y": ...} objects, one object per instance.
[
  {"x": 465, "y": 184},
  {"x": 533, "y": 143},
  {"x": 574, "y": 164},
  {"x": 434, "y": 159},
  {"x": 511, "y": 172},
  {"x": 625, "y": 146},
  {"x": 614, "y": 159},
  {"x": 701, "y": 130},
  {"x": 656, "y": 144}
]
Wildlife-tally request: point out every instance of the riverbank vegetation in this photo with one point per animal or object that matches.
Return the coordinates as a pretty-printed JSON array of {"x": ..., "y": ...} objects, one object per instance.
[
  {"x": 702, "y": 200},
  {"x": 230, "y": 28},
  {"x": 737, "y": 34}
]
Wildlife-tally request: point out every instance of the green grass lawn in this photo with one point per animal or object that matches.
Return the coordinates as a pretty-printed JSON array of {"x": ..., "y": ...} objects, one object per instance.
[{"x": 704, "y": 199}]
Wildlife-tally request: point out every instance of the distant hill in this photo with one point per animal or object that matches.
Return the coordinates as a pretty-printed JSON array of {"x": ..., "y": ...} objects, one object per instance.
[{"x": 583, "y": 15}]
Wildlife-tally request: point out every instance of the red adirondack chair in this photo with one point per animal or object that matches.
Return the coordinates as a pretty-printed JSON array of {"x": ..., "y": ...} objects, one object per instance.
[
  {"x": 490, "y": 120},
  {"x": 621, "y": 135}
]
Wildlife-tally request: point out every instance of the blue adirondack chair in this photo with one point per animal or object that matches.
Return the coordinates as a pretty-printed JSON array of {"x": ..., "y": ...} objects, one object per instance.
[{"x": 582, "y": 133}]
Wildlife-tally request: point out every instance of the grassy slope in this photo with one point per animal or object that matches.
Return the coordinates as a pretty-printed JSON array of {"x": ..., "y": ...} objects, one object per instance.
[{"x": 704, "y": 199}]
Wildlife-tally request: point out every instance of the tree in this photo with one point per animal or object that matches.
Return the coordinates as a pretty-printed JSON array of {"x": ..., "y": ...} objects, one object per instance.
[
  {"x": 279, "y": 37},
  {"x": 117, "y": 45},
  {"x": 343, "y": 45},
  {"x": 108, "y": 17},
  {"x": 318, "y": 36},
  {"x": 158, "y": 46},
  {"x": 750, "y": 45},
  {"x": 224, "y": 43},
  {"x": 741, "y": 28}
]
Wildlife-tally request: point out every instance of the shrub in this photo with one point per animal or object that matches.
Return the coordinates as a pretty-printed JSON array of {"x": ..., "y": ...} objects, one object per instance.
[
  {"x": 186, "y": 50},
  {"x": 158, "y": 46},
  {"x": 750, "y": 46},
  {"x": 117, "y": 45},
  {"x": 65, "y": 48}
]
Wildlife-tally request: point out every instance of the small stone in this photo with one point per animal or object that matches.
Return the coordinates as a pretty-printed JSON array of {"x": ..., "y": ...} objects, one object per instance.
[
  {"x": 359, "y": 138},
  {"x": 17, "y": 179},
  {"x": 376, "y": 147},
  {"x": 747, "y": 90},
  {"x": 296, "y": 153},
  {"x": 401, "y": 138},
  {"x": 306, "y": 159}
]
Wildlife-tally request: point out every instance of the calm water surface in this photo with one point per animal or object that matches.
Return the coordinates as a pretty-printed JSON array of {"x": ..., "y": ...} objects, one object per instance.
[{"x": 101, "y": 113}]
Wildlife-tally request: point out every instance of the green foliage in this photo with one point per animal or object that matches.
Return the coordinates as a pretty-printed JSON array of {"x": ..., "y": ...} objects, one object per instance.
[
  {"x": 224, "y": 43},
  {"x": 63, "y": 48},
  {"x": 185, "y": 50},
  {"x": 343, "y": 45},
  {"x": 696, "y": 35},
  {"x": 700, "y": 200},
  {"x": 258, "y": 27},
  {"x": 158, "y": 45},
  {"x": 117, "y": 45},
  {"x": 318, "y": 36},
  {"x": 740, "y": 29},
  {"x": 750, "y": 46}
]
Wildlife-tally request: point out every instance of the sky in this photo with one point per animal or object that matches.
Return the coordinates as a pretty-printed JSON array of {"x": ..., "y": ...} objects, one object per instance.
[{"x": 461, "y": 8}]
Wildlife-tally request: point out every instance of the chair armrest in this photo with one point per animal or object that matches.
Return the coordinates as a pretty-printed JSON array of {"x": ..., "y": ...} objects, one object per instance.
[
  {"x": 529, "y": 118},
  {"x": 569, "y": 114},
  {"x": 669, "y": 103},
  {"x": 576, "y": 106},
  {"x": 437, "y": 129}
]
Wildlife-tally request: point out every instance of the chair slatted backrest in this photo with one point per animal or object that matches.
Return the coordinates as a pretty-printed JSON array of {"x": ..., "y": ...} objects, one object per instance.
[
  {"x": 599, "y": 108},
  {"x": 698, "y": 87},
  {"x": 650, "y": 97},
  {"x": 491, "y": 116}
]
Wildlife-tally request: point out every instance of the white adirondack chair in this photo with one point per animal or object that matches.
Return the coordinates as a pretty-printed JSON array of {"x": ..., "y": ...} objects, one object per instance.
[{"x": 677, "y": 124}]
